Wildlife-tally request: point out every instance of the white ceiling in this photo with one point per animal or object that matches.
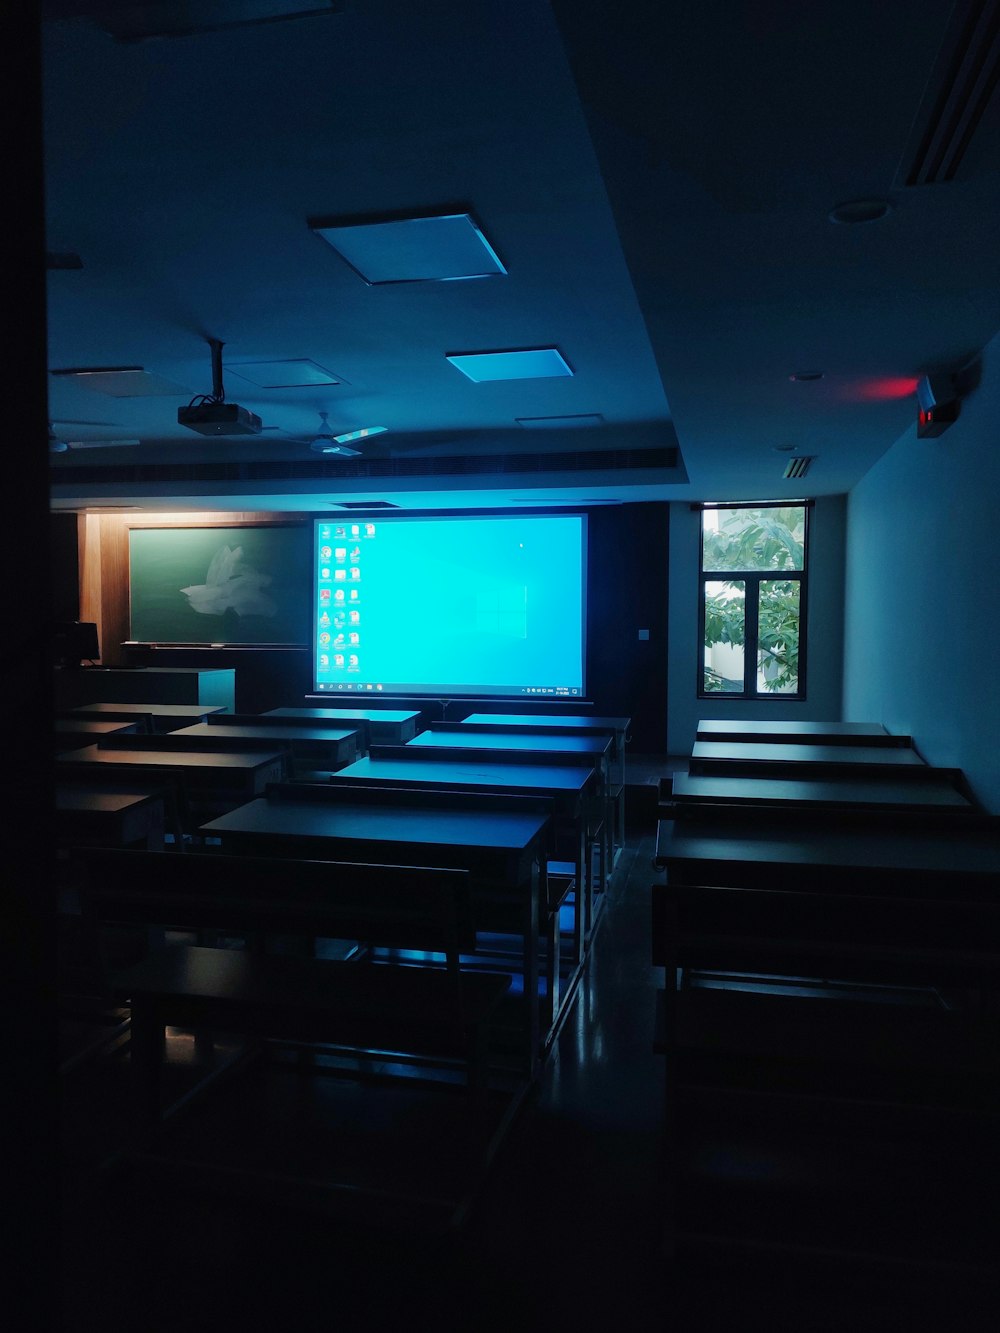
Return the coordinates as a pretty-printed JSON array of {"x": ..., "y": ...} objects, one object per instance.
[{"x": 656, "y": 178}]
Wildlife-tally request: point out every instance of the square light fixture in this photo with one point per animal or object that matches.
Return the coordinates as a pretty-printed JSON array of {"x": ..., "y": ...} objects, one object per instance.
[
  {"x": 122, "y": 381},
  {"x": 440, "y": 248},
  {"x": 532, "y": 363},
  {"x": 134, "y": 22},
  {"x": 576, "y": 422},
  {"x": 294, "y": 374}
]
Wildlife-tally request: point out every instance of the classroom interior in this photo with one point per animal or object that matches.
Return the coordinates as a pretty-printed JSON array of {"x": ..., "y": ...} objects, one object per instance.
[{"x": 750, "y": 236}]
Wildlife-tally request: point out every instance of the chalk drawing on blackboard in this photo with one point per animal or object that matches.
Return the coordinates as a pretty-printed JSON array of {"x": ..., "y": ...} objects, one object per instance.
[{"x": 231, "y": 585}]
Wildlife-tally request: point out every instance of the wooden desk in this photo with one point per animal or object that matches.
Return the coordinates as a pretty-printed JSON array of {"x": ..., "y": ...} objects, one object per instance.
[
  {"x": 211, "y": 775},
  {"x": 801, "y": 733},
  {"x": 568, "y": 790},
  {"x": 517, "y": 746},
  {"x": 884, "y": 794},
  {"x": 325, "y": 748},
  {"x": 772, "y": 759},
  {"x": 818, "y": 857},
  {"x": 159, "y": 717},
  {"x": 104, "y": 817},
  {"x": 504, "y": 853},
  {"x": 76, "y": 733},
  {"x": 566, "y": 785},
  {"x": 492, "y": 746},
  {"x": 393, "y": 726},
  {"x": 581, "y": 724}
]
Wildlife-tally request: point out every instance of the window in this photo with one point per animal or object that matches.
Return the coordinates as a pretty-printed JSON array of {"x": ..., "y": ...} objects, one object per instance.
[{"x": 753, "y": 601}]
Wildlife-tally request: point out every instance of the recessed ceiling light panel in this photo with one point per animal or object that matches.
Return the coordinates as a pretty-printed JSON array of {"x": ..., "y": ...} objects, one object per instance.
[
  {"x": 122, "y": 381},
  {"x": 561, "y": 423},
  {"x": 415, "y": 249},
  {"x": 133, "y": 22},
  {"x": 531, "y": 363},
  {"x": 294, "y": 374},
  {"x": 100, "y": 444}
]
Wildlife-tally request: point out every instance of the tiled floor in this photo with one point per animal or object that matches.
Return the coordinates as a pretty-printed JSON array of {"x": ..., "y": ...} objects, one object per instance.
[{"x": 566, "y": 1231}]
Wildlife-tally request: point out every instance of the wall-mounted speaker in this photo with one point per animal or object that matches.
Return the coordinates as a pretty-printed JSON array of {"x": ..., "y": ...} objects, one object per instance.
[
  {"x": 935, "y": 389},
  {"x": 939, "y": 405}
]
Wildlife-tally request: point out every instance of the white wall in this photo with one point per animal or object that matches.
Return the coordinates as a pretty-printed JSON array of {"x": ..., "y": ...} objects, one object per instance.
[
  {"x": 922, "y": 626},
  {"x": 824, "y": 644}
]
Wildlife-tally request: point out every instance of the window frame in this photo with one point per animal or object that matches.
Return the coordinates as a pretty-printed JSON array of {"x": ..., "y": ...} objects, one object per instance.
[{"x": 752, "y": 579}]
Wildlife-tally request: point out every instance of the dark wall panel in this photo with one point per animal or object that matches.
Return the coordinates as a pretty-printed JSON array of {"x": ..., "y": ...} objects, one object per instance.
[
  {"x": 627, "y": 593},
  {"x": 64, "y": 567}
]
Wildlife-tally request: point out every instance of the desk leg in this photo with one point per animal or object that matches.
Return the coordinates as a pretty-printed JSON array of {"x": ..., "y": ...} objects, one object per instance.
[
  {"x": 583, "y": 905},
  {"x": 553, "y": 961},
  {"x": 146, "y": 1049},
  {"x": 608, "y": 854},
  {"x": 531, "y": 970}
]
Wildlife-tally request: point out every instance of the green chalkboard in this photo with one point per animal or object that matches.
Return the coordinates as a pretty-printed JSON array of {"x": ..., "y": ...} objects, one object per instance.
[{"x": 220, "y": 585}]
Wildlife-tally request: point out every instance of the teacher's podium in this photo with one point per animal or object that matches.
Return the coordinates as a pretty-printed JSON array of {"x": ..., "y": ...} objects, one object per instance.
[{"x": 148, "y": 685}]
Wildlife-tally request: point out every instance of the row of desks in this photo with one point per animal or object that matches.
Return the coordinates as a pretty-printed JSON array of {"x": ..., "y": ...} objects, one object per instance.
[
  {"x": 826, "y": 934},
  {"x": 215, "y": 755},
  {"x": 404, "y": 804},
  {"x": 504, "y": 851},
  {"x": 390, "y": 726},
  {"x": 820, "y": 810},
  {"x": 369, "y": 810},
  {"x": 115, "y": 756}
]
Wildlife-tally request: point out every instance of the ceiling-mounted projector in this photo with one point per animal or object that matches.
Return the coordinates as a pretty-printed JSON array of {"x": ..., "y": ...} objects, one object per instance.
[
  {"x": 219, "y": 419},
  {"x": 210, "y": 414}
]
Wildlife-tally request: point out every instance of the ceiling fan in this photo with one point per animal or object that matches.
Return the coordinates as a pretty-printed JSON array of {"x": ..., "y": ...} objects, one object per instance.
[
  {"x": 325, "y": 442},
  {"x": 60, "y": 445}
]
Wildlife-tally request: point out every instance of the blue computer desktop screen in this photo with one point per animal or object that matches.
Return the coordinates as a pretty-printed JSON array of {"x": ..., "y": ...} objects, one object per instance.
[{"x": 451, "y": 606}]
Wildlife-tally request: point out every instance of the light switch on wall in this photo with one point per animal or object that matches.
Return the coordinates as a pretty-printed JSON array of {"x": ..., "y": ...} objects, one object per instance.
[{"x": 644, "y": 634}]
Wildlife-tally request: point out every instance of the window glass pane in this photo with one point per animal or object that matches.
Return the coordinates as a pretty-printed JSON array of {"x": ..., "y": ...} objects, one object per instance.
[
  {"x": 778, "y": 636},
  {"x": 754, "y": 538},
  {"x": 725, "y": 625}
]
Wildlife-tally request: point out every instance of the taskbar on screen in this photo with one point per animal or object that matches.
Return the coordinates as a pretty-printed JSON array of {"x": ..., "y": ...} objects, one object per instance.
[{"x": 448, "y": 691}]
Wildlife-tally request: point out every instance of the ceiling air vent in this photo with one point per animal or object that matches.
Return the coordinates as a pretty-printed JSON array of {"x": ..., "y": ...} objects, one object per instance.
[
  {"x": 797, "y": 467},
  {"x": 959, "y": 90}
]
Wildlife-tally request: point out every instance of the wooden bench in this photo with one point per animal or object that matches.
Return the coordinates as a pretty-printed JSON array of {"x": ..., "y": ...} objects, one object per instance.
[
  {"x": 829, "y": 1017},
  {"x": 436, "y": 1013}
]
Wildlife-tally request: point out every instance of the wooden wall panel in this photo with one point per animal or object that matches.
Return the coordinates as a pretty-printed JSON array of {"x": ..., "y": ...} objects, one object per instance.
[
  {"x": 114, "y": 588},
  {"x": 89, "y": 546}
]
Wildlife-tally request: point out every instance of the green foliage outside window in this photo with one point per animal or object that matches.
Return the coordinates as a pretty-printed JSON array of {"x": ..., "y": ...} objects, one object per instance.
[{"x": 753, "y": 540}]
